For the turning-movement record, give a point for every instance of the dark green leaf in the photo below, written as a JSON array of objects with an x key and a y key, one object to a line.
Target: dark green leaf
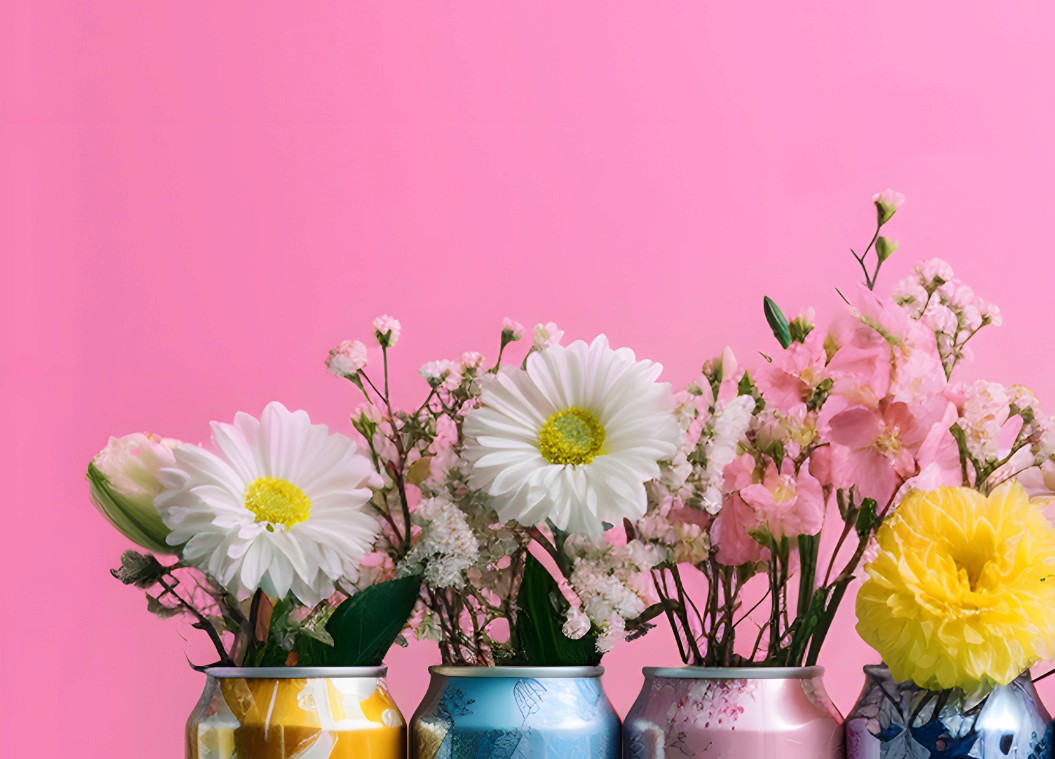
[
  {"x": 539, "y": 623},
  {"x": 867, "y": 518},
  {"x": 364, "y": 626},
  {"x": 777, "y": 322},
  {"x": 160, "y": 610}
]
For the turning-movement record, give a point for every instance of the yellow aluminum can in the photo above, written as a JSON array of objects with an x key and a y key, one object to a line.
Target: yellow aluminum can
[{"x": 296, "y": 713}]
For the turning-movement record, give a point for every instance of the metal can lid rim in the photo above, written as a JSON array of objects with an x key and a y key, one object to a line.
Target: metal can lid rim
[
  {"x": 293, "y": 673},
  {"x": 537, "y": 673},
  {"x": 734, "y": 673}
]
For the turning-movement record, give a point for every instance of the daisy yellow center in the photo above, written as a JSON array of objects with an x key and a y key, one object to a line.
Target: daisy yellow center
[
  {"x": 571, "y": 436},
  {"x": 277, "y": 501}
]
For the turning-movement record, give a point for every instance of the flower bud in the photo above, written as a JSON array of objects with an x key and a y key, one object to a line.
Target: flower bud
[
  {"x": 123, "y": 482},
  {"x": 386, "y": 331},
  {"x": 885, "y": 248},
  {"x": 511, "y": 331},
  {"x": 887, "y": 202}
]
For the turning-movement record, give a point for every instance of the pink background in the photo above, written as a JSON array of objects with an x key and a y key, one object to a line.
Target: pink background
[{"x": 199, "y": 199}]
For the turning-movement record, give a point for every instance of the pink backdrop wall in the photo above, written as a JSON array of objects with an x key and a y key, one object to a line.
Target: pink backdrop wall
[{"x": 199, "y": 199}]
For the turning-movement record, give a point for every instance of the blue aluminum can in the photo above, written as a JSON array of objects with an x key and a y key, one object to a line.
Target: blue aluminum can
[
  {"x": 515, "y": 713},
  {"x": 894, "y": 720}
]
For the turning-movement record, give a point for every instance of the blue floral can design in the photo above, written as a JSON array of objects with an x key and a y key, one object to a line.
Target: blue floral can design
[
  {"x": 893, "y": 720},
  {"x": 515, "y": 713}
]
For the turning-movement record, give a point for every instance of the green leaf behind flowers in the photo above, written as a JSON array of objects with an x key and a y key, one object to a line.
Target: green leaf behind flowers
[
  {"x": 539, "y": 626},
  {"x": 777, "y": 321},
  {"x": 363, "y": 627}
]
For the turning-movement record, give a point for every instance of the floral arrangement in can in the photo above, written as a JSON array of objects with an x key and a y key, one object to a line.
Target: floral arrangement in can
[
  {"x": 539, "y": 510},
  {"x": 832, "y": 431},
  {"x": 264, "y": 540},
  {"x": 510, "y": 477}
]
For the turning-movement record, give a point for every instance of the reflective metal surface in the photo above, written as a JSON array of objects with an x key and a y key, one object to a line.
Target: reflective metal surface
[
  {"x": 296, "y": 714},
  {"x": 892, "y": 720},
  {"x": 515, "y": 713},
  {"x": 733, "y": 714}
]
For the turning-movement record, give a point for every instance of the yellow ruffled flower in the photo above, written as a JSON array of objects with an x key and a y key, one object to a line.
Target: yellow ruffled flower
[{"x": 962, "y": 593}]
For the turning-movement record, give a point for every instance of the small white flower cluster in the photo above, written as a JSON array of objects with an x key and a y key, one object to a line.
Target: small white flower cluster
[
  {"x": 716, "y": 422},
  {"x": 347, "y": 359},
  {"x": 446, "y": 548},
  {"x": 613, "y": 584},
  {"x": 934, "y": 296},
  {"x": 1037, "y": 427},
  {"x": 985, "y": 411},
  {"x": 1005, "y": 430}
]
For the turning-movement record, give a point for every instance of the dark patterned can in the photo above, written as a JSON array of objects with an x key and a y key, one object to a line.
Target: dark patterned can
[
  {"x": 892, "y": 720},
  {"x": 515, "y": 713}
]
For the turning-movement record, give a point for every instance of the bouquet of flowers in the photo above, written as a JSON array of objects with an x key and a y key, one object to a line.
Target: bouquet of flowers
[
  {"x": 857, "y": 415},
  {"x": 500, "y": 485},
  {"x": 267, "y": 541}
]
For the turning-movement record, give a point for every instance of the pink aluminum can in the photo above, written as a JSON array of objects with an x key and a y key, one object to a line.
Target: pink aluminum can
[{"x": 733, "y": 713}]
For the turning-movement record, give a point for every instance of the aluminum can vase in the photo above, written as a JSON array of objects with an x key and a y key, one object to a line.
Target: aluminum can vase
[
  {"x": 892, "y": 720},
  {"x": 296, "y": 713},
  {"x": 733, "y": 713},
  {"x": 515, "y": 713}
]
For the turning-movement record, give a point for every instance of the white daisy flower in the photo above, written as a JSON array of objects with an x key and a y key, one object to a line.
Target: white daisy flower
[
  {"x": 573, "y": 437},
  {"x": 281, "y": 506}
]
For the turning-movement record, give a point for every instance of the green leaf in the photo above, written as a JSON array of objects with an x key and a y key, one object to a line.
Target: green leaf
[
  {"x": 539, "y": 623},
  {"x": 867, "y": 519},
  {"x": 160, "y": 610},
  {"x": 777, "y": 321},
  {"x": 364, "y": 626}
]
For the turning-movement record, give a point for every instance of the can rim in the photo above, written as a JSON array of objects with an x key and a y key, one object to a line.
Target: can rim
[
  {"x": 293, "y": 673},
  {"x": 446, "y": 670},
  {"x": 734, "y": 673}
]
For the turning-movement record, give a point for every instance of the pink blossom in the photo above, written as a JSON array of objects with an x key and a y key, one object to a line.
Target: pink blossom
[
  {"x": 442, "y": 448},
  {"x": 875, "y": 449},
  {"x": 547, "y": 335},
  {"x": 786, "y": 504},
  {"x": 731, "y": 534},
  {"x": 821, "y": 465},
  {"x": 938, "y": 457},
  {"x": 934, "y": 269},
  {"x": 793, "y": 374},
  {"x": 883, "y": 351},
  {"x": 731, "y": 531},
  {"x": 471, "y": 360},
  {"x": 347, "y": 359}
]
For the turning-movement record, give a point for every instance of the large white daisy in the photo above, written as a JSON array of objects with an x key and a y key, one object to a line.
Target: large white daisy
[
  {"x": 573, "y": 437},
  {"x": 280, "y": 506}
]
